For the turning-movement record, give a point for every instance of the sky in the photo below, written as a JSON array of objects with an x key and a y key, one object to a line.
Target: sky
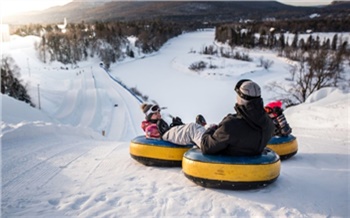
[
  {"x": 56, "y": 163},
  {"x": 11, "y": 7}
]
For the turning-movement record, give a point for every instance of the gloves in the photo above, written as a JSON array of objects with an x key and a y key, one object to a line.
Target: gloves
[
  {"x": 176, "y": 122},
  {"x": 162, "y": 126},
  {"x": 278, "y": 111}
]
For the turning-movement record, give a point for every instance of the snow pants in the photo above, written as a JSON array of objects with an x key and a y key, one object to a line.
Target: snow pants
[{"x": 186, "y": 134}]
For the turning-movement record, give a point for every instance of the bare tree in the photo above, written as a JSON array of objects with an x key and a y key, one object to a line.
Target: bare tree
[
  {"x": 320, "y": 69},
  {"x": 265, "y": 63},
  {"x": 295, "y": 93}
]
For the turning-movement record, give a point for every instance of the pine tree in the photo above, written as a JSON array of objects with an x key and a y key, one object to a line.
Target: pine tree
[
  {"x": 295, "y": 41},
  {"x": 10, "y": 84},
  {"x": 335, "y": 42}
]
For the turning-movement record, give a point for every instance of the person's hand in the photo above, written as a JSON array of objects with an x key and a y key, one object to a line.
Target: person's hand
[
  {"x": 176, "y": 122},
  {"x": 162, "y": 126},
  {"x": 277, "y": 110}
]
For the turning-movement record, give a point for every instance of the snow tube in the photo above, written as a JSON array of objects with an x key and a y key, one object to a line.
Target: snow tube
[
  {"x": 156, "y": 152},
  {"x": 284, "y": 146},
  {"x": 229, "y": 172}
]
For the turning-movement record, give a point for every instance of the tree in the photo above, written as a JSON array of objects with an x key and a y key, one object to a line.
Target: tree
[
  {"x": 322, "y": 68},
  {"x": 281, "y": 44},
  {"x": 335, "y": 42},
  {"x": 42, "y": 49},
  {"x": 295, "y": 41},
  {"x": 10, "y": 84}
]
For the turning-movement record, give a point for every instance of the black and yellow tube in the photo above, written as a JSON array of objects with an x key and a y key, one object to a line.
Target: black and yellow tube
[
  {"x": 156, "y": 152},
  {"x": 285, "y": 146},
  {"x": 227, "y": 172}
]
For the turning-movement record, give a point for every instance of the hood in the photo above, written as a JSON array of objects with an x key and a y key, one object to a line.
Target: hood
[{"x": 253, "y": 112}]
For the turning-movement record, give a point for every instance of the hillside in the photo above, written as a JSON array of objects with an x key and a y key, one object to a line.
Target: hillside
[
  {"x": 56, "y": 163},
  {"x": 185, "y": 11}
]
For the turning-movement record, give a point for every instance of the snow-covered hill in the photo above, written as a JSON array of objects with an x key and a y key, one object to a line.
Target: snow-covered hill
[{"x": 56, "y": 161}]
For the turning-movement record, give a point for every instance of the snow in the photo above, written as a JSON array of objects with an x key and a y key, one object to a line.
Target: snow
[
  {"x": 314, "y": 16},
  {"x": 56, "y": 161}
]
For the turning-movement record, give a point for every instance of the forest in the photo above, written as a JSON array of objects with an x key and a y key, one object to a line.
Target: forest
[{"x": 321, "y": 61}]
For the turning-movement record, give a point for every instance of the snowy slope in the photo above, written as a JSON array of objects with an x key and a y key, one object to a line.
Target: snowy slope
[{"x": 55, "y": 161}]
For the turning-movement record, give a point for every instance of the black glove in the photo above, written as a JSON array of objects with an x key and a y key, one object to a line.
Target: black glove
[
  {"x": 162, "y": 126},
  {"x": 176, "y": 122},
  {"x": 278, "y": 111}
]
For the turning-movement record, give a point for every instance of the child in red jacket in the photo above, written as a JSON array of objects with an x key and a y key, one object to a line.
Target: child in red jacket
[
  {"x": 275, "y": 111},
  {"x": 149, "y": 125},
  {"x": 179, "y": 133}
]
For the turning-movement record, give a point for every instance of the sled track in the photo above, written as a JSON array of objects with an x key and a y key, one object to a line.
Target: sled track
[
  {"x": 91, "y": 172},
  {"x": 121, "y": 90},
  {"x": 43, "y": 172},
  {"x": 20, "y": 166}
]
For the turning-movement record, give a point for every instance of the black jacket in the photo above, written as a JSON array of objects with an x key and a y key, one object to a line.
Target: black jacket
[{"x": 244, "y": 133}]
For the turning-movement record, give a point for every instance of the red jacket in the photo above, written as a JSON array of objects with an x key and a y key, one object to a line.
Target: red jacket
[{"x": 150, "y": 129}]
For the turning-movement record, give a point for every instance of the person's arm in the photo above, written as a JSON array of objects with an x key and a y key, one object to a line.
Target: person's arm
[
  {"x": 151, "y": 131},
  {"x": 176, "y": 122},
  {"x": 162, "y": 126},
  {"x": 284, "y": 129},
  {"x": 215, "y": 139}
]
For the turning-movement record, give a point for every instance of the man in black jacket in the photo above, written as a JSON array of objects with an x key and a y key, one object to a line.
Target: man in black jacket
[{"x": 245, "y": 133}]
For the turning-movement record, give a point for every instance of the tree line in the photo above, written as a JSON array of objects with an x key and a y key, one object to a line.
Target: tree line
[
  {"x": 107, "y": 41},
  {"x": 76, "y": 42},
  {"x": 321, "y": 62}
]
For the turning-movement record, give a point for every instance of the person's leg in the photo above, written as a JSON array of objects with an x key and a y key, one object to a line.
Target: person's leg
[
  {"x": 177, "y": 135},
  {"x": 186, "y": 134},
  {"x": 196, "y": 132}
]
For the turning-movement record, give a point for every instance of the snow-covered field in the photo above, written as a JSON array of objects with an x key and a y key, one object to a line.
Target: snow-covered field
[{"x": 56, "y": 161}]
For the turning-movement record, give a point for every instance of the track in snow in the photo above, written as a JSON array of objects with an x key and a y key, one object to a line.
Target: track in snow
[{"x": 95, "y": 101}]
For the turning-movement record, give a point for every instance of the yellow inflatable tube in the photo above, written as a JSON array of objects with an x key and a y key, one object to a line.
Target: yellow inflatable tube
[
  {"x": 227, "y": 172},
  {"x": 285, "y": 147},
  {"x": 156, "y": 152}
]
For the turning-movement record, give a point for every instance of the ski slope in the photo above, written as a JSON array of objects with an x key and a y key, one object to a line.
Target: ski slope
[
  {"x": 95, "y": 101},
  {"x": 57, "y": 163}
]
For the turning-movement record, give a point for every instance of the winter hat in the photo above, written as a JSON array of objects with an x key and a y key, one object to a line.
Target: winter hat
[
  {"x": 149, "y": 110},
  {"x": 247, "y": 90},
  {"x": 274, "y": 108}
]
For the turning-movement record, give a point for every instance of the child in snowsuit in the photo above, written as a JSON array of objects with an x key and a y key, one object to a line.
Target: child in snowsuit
[
  {"x": 275, "y": 112},
  {"x": 178, "y": 132},
  {"x": 149, "y": 126}
]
